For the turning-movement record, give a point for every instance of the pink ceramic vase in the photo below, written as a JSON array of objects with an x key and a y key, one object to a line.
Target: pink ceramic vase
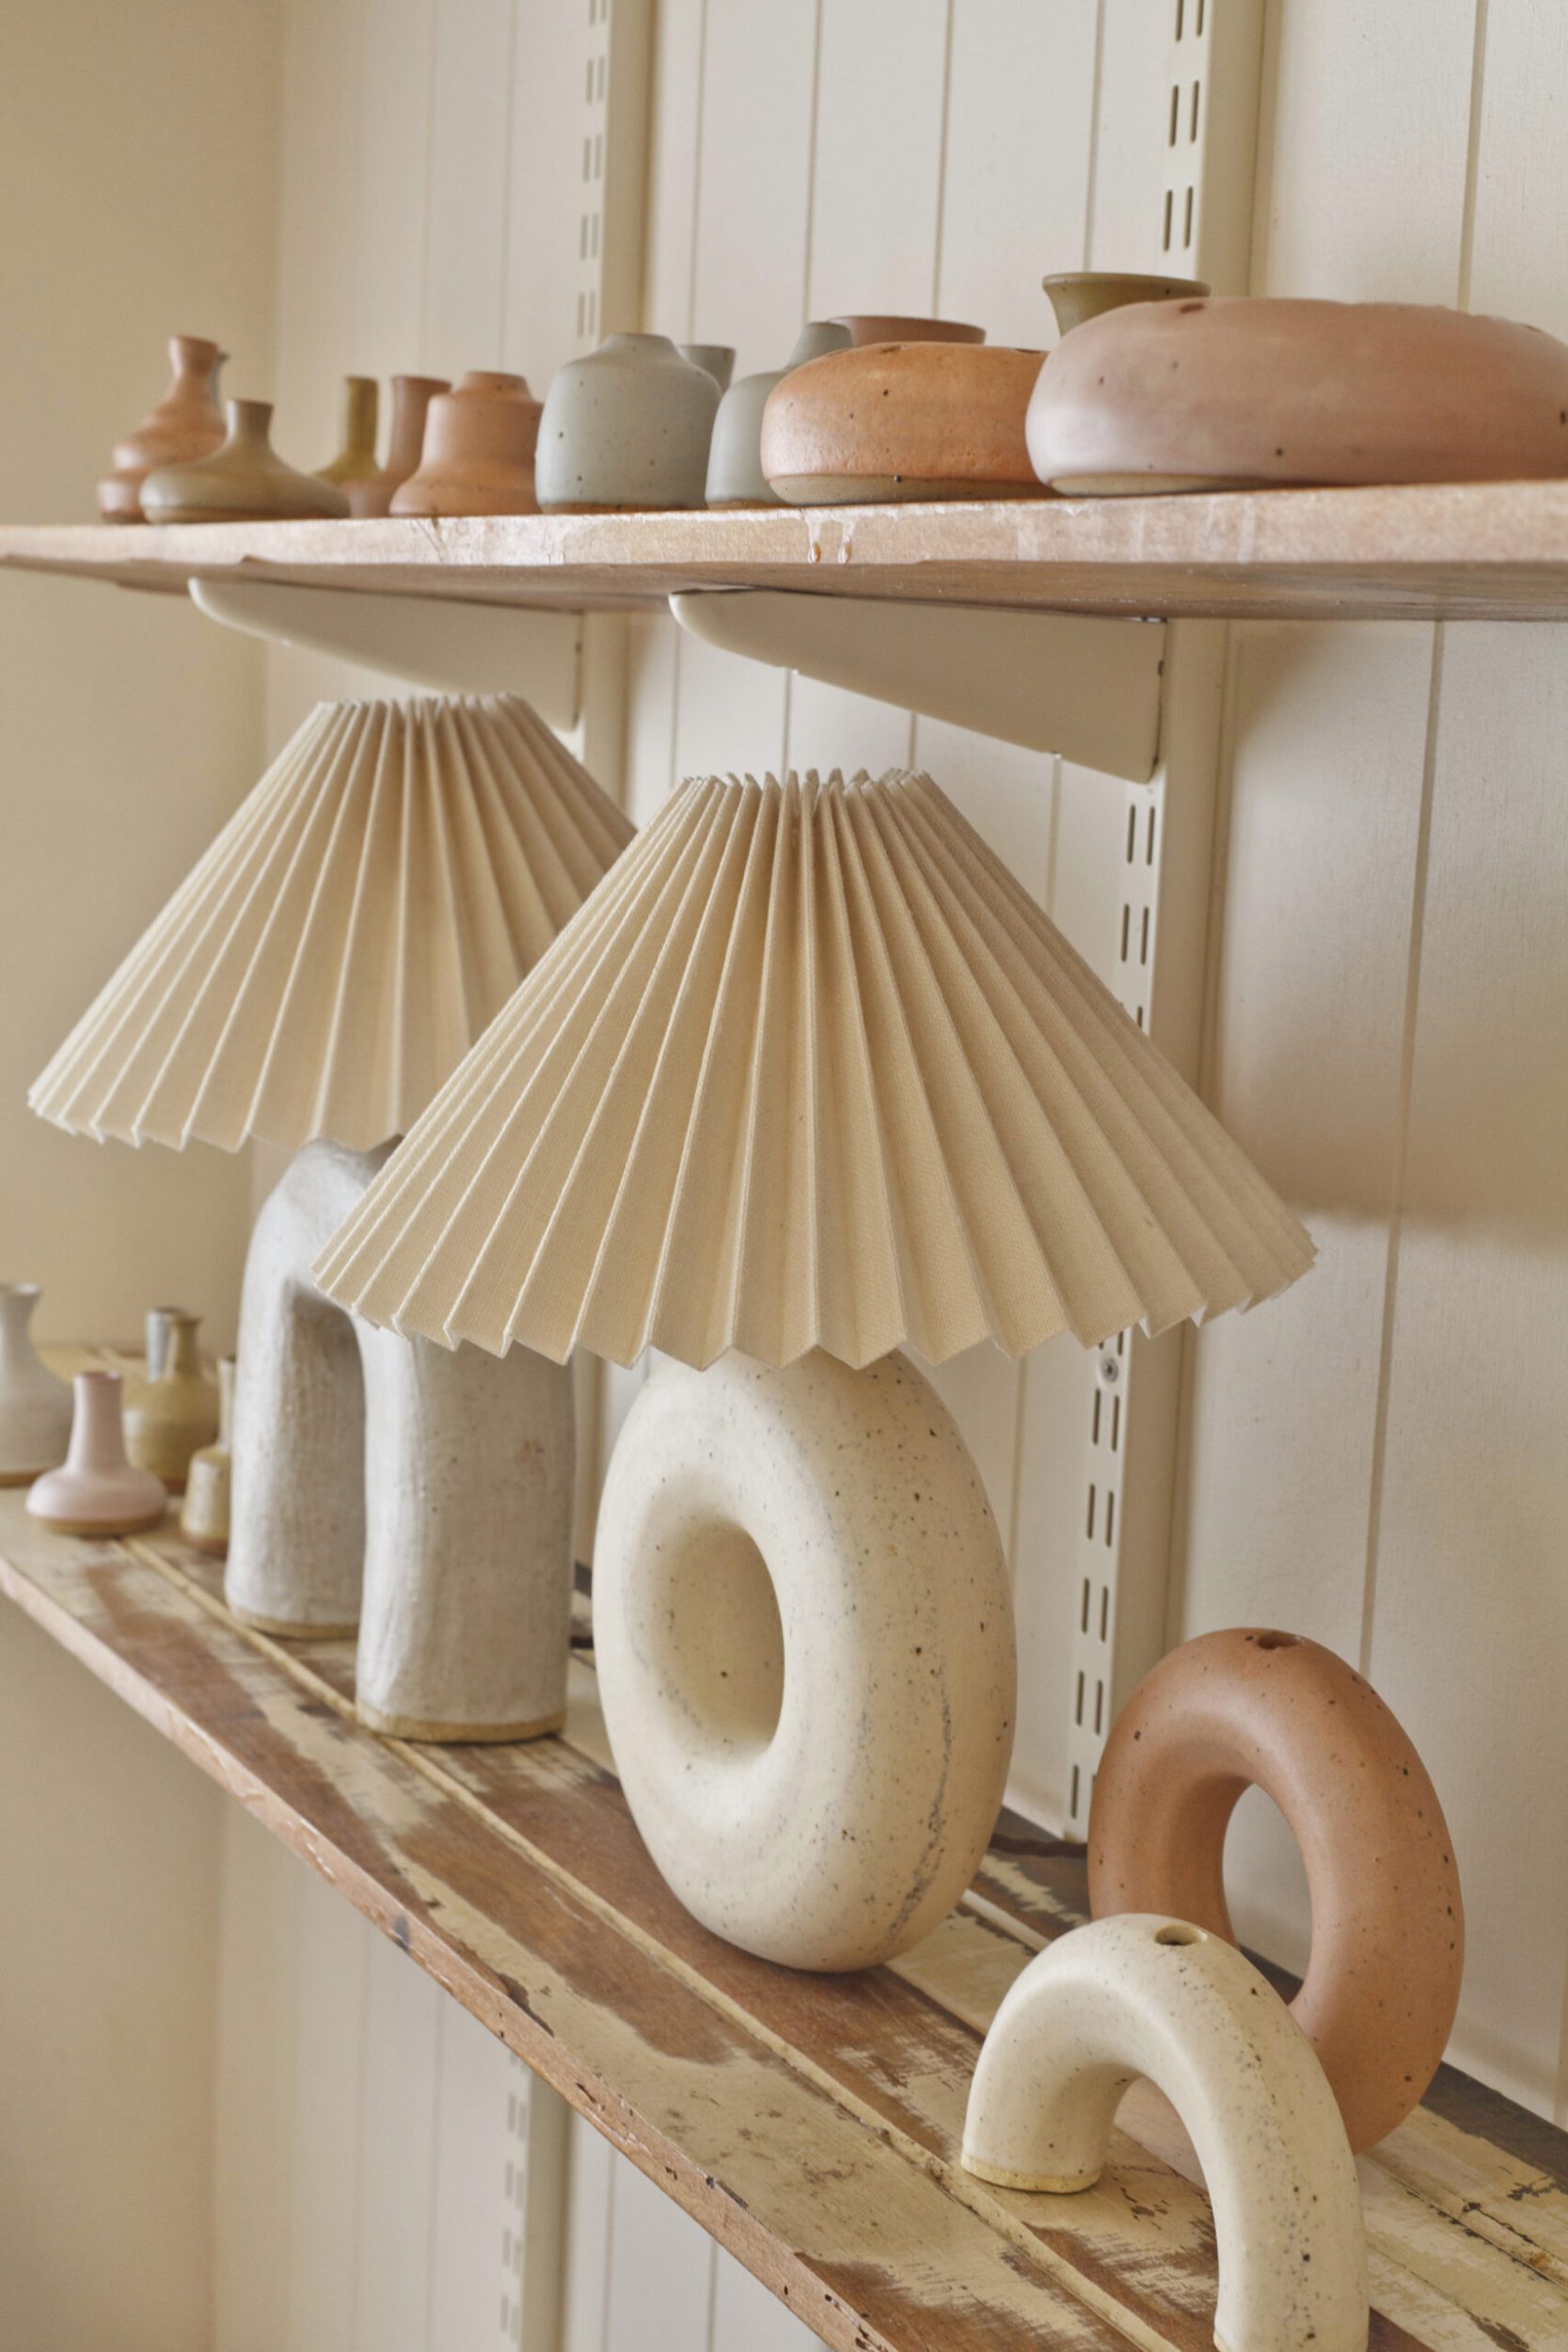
[
  {"x": 478, "y": 454},
  {"x": 411, "y": 399},
  {"x": 187, "y": 423},
  {"x": 96, "y": 1492}
]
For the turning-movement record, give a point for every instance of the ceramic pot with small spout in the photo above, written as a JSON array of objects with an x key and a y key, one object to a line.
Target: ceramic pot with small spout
[
  {"x": 187, "y": 423},
  {"x": 243, "y": 481},
  {"x": 204, "y": 1514},
  {"x": 356, "y": 461},
  {"x": 627, "y": 426},
  {"x": 478, "y": 453},
  {"x": 735, "y": 475},
  {"x": 35, "y": 1405},
  {"x": 411, "y": 399},
  {"x": 173, "y": 1410},
  {"x": 96, "y": 1491}
]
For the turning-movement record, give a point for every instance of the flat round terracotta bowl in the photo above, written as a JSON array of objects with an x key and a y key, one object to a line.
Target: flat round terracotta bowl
[
  {"x": 1239, "y": 393},
  {"x": 866, "y": 326},
  {"x": 902, "y": 421}
]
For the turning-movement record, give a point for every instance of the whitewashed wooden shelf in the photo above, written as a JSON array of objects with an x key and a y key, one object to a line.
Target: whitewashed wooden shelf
[
  {"x": 1468, "y": 550},
  {"x": 810, "y": 2123}
]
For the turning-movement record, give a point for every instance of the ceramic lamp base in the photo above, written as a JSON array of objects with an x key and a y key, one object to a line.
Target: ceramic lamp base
[
  {"x": 471, "y": 1734},
  {"x": 291, "y": 1630},
  {"x": 70, "y": 1526}
]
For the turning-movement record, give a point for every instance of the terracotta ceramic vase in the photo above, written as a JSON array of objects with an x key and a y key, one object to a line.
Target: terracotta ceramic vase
[
  {"x": 1238, "y": 393},
  {"x": 478, "y": 450},
  {"x": 187, "y": 423},
  {"x": 1152, "y": 1997},
  {"x": 715, "y": 359},
  {"x": 411, "y": 399},
  {"x": 1077, "y": 294},
  {"x": 735, "y": 475},
  {"x": 97, "y": 1491},
  {"x": 35, "y": 1405},
  {"x": 902, "y": 421},
  {"x": 204, "y": 1514},
  {"x": 627, "y": 428},
  {"x": 356, "y": 461},
  {"x": 243, "y": 481},
  {"x": 872, "y": 327},
  {"x": 173, "y": 1410},
  {"x": 1255, "y": 1707}
]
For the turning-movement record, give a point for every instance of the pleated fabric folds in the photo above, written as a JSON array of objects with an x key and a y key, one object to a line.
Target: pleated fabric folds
[
  {"x": 810, "y": 1070},
  {"x": 353, "y": 929}
]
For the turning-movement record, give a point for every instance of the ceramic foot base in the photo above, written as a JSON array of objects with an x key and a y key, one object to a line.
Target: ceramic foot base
[
  {"x": 288, "y": 1632},
  {"x": 107, "y": 1530},
  {"x": 455, "y": 1735},
  {"x": 876, "y": 489}
]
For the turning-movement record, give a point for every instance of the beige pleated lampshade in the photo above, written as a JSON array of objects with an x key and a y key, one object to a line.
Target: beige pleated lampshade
[
  {"x": 352, "y": 931},
  {"x": 810, "y": 1070}
]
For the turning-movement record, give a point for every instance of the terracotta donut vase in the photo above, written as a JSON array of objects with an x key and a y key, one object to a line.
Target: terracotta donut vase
[
  {"x": 902, "y": 421},
  {"x": 1251, "y": 1708},
  {"x": 1239, "y": 393}
]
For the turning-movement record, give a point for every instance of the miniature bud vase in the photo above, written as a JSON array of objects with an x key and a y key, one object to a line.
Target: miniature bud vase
[
  {"x": 478, "y": 452},
  {"x": 411, "y": 399},
  {"x": 204, "y": 1514},
  {"x": 187, "y": 423},
  {"x": 243, "y": 481},
  {"x": 627, "y": 426},
  {"x": 356, "y": 461},
  {"x": 35, "y": 1406},
  {"x": 735, "y": 475},
  {"x": 1077, "y": 294},
  {"x": 97, "y": 1491},
  {"x": 173, "y": 1410}
]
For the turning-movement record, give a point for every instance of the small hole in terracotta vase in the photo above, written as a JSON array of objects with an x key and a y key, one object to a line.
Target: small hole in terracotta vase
[
  {"x": 1276, "y": 1641},
  {"x": 1178, "y": 1935}
]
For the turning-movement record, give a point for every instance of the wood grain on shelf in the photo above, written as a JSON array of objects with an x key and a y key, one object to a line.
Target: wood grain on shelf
[
  {"x": 1459, "y": 550},
  {"x": 810, "y": 2123}
]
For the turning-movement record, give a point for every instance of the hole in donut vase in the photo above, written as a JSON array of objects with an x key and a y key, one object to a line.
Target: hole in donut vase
[{"x": 804, "y": 1641}]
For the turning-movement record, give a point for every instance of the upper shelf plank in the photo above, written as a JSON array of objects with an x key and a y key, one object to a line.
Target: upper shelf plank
[{"x": 1459, "y": 551}]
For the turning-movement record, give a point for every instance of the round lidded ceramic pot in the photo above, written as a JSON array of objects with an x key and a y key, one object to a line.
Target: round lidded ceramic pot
[
  {"x": 478, "y": 452},
  {"x": 243, "y": 481},
  {"x": 96, "y": 1491},
  {"x": 627, "y": 426},
  {"x": 867, "y": 326},
  {"x": 1244, "y": 392},
  {"x": 1077, "y": 294},
  {"x": 735, "y": 475},
  {"x": 187, "y": 423},
  {"x": 35, "y": 1405},
  {"x": 902, "y": 421}
]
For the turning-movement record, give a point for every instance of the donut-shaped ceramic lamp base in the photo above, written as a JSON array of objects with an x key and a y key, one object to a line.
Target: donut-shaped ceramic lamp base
[
  {"x": 804, "y": 1640},
  {"x": 1251, "y": 1708},
  {"x": 1145, "y": 1995}
]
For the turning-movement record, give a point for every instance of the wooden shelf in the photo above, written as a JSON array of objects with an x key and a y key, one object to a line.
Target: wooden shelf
[
  {"x": 1468, "y": 550},
  {"x": 811, "y": 2124}
]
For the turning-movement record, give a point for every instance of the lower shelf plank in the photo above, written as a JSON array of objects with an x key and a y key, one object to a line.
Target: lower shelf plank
[{"x": 810, "y": 2123}]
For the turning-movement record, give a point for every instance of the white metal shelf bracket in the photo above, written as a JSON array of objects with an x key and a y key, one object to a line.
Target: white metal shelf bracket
[{"x": 1086, "y": 687}]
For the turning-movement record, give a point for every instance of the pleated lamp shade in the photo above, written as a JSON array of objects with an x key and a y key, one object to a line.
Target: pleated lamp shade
[
  {"x": 353, "y": 929},
  {"x": 810, "y": 1070}
]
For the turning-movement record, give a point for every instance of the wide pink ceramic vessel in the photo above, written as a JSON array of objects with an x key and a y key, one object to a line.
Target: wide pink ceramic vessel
[{"x": 96, "y": 1491}]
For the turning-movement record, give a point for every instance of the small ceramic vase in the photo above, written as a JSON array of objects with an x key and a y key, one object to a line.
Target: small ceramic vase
[
  {"x": 478, "y": 453},
  {"x": 243, "y": 481},
  {"x": 204, "y": 1514},
  {"x": 411, "y": 399},
  {"x": 35, "y": 1405},
  {"x": 715, "y": 359},
  {"x": 187, "y": 423},
  {"x": 627, "y": 428},
  {"x": 1077, "y": 294},
  {"x": 173, "y": 1410},
  {"x": 96, "y": 1491},
  {"x": 872, "y": 327},
  {"x": 902, "y": 421},
  {"x": 356, "y": 461},
  {"x": 1241, "y": 393},
  {"x": 735, "y": 475}
]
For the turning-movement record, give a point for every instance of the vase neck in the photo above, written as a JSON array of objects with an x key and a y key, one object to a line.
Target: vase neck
[
  {"x": 249, "y": 424},
  {"x": 97, "y": 1431},
  {"x": 17, "y": 1301}
]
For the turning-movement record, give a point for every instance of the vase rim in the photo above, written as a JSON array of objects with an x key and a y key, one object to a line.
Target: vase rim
[{"x": 21, "y": 1290}]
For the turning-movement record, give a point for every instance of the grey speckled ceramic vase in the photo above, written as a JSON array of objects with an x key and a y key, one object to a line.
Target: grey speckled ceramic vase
[
  {"x": 627, "y": 426},
  {"x": 735, "y": 475}
]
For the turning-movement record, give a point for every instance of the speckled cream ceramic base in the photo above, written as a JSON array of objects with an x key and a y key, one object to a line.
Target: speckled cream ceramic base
[
  {"x": 1145, "y": 1995},
  {"x": 471, "y": 1734},
  {"x": 804, "y": 1641},
  {"x": 291, "y": 1629}
]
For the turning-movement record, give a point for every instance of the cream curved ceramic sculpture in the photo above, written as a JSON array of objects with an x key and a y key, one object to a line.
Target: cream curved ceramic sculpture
[
  {"x": 35, "y": 1404},
  {"x": 810, "y": 1070},
  {"x": 902, "y": 421},
  {"x": 1150, "y": 1996},
  {"x": 1240, "y": 391},
  {"x": 347, "y": 936},
  {"x": 1254, "y": 1708},
  {"x": 804, "y": 1642}
]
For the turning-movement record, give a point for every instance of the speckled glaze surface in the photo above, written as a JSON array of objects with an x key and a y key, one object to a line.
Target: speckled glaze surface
[
  {"x": 411, "y": 399},
  {"x": 187, "y": 423},
  {"x": 204, "y": 1512},
  {"x": 96, "y": 1491},
  {"x": 735, "y": 475},
  {"x": 1239, "y": 391},
  {"x": 35, "y": 1404},
  {"x": 243, "y": 481},
  {"x": 173, "y": 1410},
  {"x": 902, "y": 421},
  {"x": 1149, "y": 1996},
  {"x": 804, "y": 1641},
  {"x": 627, "y": 426},
  {"x": 1078, "y": 295},
  {"x": 478, "y": 455},
  {"x": 877, "y": 326},
  {"x": 1255, "y": 1707}
]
